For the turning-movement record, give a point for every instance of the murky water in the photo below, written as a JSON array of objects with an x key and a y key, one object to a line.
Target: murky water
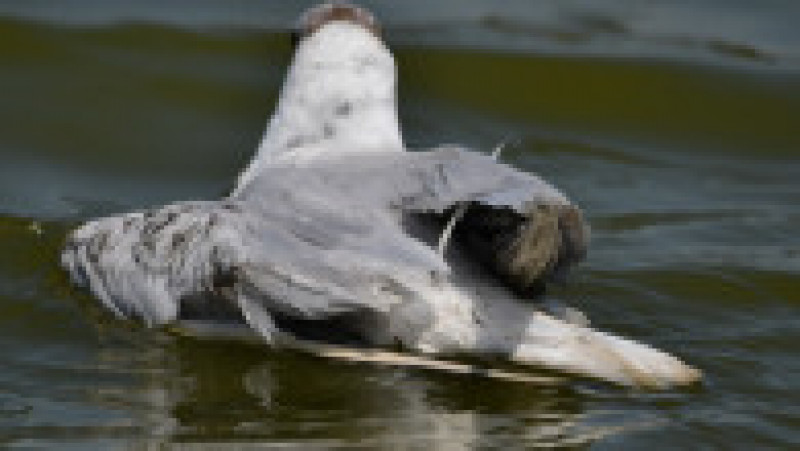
[{"x": 674, "y": 124}]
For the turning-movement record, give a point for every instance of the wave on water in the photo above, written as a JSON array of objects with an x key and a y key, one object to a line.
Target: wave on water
[
  {"x": 688, "y": 174},
  {"x": 742, "y": 34}
]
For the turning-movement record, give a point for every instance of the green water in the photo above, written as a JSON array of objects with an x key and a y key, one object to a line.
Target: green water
[{"x": 680, "y": 143}]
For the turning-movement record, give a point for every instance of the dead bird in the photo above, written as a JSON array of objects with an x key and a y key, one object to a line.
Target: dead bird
[{"x": 336, "y": 237}]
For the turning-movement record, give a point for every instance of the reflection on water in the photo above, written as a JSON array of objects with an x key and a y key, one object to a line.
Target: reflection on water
[
  {"x": 142, "y": 387},
  {"x": 191, "y": 391},
  {"x": 673, "y": 123}
]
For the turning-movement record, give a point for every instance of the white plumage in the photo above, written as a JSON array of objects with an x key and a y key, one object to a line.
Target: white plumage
[
  {"x": 339, "y": 96},
  {"x": 330, "y": 237}
]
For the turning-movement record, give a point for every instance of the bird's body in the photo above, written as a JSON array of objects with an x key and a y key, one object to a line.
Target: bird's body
[{"x": 330, "y": 236}]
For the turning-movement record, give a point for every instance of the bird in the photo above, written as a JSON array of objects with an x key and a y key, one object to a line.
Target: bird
[{"x": 339, "y": 238}]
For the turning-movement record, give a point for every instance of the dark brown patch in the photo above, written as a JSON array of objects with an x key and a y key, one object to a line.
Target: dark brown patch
[
  {"x": 528, "y": 251},
  {"x": 315, "y": 18}
]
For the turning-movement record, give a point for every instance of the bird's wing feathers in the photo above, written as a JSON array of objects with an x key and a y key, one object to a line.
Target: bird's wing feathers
[
  {"x": 306, "y": 242},
  {"x": 298, "y": 258},
  {"x": 516, "y": 222},
  {"x": 141, "y": 264},
  {"x": 415, "y": 181}
]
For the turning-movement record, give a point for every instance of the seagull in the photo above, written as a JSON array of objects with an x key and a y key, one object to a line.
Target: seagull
[{"x": 337, "y": 238}]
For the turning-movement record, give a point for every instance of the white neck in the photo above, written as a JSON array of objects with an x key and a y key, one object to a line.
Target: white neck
[{"x": 339, "y": 96}]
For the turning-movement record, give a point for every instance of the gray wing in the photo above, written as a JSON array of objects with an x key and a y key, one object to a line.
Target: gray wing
[
  {"x": 515, "y": 222},
  {"x": 322, "y": 239},
  {"x": 299, "y": 258}
]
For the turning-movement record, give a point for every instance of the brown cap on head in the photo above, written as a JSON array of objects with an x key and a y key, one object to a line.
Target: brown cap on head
[{"x": 314, "y": 18}]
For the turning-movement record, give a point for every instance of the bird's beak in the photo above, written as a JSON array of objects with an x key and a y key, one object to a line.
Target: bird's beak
[{"x": 316, "y": 17}]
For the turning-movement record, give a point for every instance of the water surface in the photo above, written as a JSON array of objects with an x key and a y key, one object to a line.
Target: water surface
[{"x": 674, "y": 124}]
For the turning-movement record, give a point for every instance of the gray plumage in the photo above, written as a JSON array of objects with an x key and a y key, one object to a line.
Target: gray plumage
[{"x": 319, "y": 240}]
